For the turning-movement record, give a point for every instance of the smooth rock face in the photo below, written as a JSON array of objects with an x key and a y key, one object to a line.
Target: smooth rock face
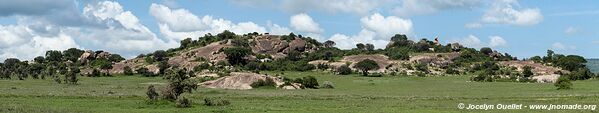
[
  {"x": 546, "y": 78},
  {"x": 238, "y": 80}
]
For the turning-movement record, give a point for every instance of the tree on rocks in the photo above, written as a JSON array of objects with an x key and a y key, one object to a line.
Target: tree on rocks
[{"x": 366, "y": 65}]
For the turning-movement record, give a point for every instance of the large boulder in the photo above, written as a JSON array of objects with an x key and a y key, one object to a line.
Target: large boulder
[{"x": 238, "y": 80}]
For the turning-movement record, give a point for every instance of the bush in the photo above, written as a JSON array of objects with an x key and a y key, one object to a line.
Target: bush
[
  {"x": 563, "y": 82},
  {"x": 151, "y": 93},
  {"x": 268, "y": 82},
  {"x": 527, "y": 71},
  {"x": 322, "y": 66},
  {"x": 216, "y": 102},
  {"x": 127, "y": 70},
  {"x": 327, "y": 85},
  {"x": 344, "y": 70},
  {"x": 307, "y": 82},
  {"x": 183, "y": 102},
  {"x": 366, "y": 65}
]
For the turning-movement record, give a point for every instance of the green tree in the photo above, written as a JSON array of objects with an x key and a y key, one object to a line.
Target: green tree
[
  {"x": 369, "y": 47},
  {"x": 235, "y": 55},
  {"x": 186, "y": 43},
  {"x": 72, "y": 54},
  {"x": 329, "y": 44},
  {"x": 54, "y": 55},
  {"x": 571, "y": 62},
  {"x": 527, "y": 71},
  {"x": 116, "y": 58},
  {"x": 127, "y": 70},
  {"x": 563, "y": 82},
  {"x": 39, "y": 59},
  {"x": 344, "y": 70},
  {"x": 486, "y": 50},
  {"x": 160, "y": 55},
  {"x": 361, "y": 46},
  {"x": 366, "y": 65},
  {"x": 178, "y": 82}
]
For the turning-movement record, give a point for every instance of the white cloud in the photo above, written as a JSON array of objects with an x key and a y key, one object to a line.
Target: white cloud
[
  {"x": 179, "y": 24},
  {"x": 503, "y": 12},
  {"x": 561, "y": 46},
  {"x": 571, "y": 30},
  {"x": 385, "y": 27},
  {"x": 304, "y": 23},
  {"x": 116, "y": 30},
  {"x": 473, "y": 25},
  {"x": 277, "y": 30},
  {"x": 360, "y": 7},
  {"x": 497, "y": 41},
  {"x": 475, "y": 42},
  {"x": 377, "y": 30},
  {"x": 420, "y": 7}
]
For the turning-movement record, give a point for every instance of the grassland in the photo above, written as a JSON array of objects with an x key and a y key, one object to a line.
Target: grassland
[{"x": 351, "y": 94}]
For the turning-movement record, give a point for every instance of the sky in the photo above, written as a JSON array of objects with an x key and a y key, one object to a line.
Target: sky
[{"x": 524, "y": 28}]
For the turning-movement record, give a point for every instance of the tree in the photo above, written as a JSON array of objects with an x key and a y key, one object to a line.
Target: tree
[
  {"x": 151, "y": 93},
  {"x": 329, "y": 44},
  {"x": 226, "y": 35},
  {"x": 235, "y": 55},
  {"x": 344, "y": 70},
  {"x": 399, "y": 38},
  {"x": 186, "y": 43},
  {"x": 571, "y": 62},
  {"x": 178, "y": 83},
  {"x": 527, "y": 71},
  {"x": 486, "y": 50},
  {"x": 160, "y": 55},
  {"x": 366, "y": 65},
  {"x": 360, "y": 46},
  {"x": 72, "y": 54},
  {"x": 563, "y": 82},
  {"x": 294, "y": 55},
  {"x": 127, "y": 70},
  {"x": 53, "y": 55},
  {"x": 115, "y": 58},
  {"x": 39, "y": 59},
  {"x": 369, "y": 47}
]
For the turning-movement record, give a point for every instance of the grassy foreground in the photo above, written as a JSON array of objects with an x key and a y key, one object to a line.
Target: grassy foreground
[{"x": 351, "y": 94}]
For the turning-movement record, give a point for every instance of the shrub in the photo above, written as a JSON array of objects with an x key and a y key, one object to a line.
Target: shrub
[
  {"x": 322, "y": 66},
  {"x": 268, "y": 82},
  {"x": 563, "y": 82},
  {"x": 151, "y": 93},
  {"x": 183, "y": 102},
  {"x": 344, "y": 70},
  {"x": 216, "y": 102},
  {"x": 127, "y": 70},
  {"x": 527, "y": 71},
  {"x": 327, "y": 85},
  {"x": 307, "y": 82},
  {"x": 366, "y": 65}
]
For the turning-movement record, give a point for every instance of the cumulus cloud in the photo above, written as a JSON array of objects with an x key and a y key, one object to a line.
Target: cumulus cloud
[
  {"x": 304, "y": 23},
  {"x": 419, "y": 7},
  {"x": 178, "y": 24},
  {"x": 473, "y": 25},
  {"x": 360, "y": 7},
  {"x": 377, "y": 30},
  {"x": 385, "y": 27},
  {"x": 506, "y": 12},
  {"x": 114, "y": 30},
  {"x": 561, "y": 46},
  {"x": 475, "y": 42},
  {"x": 571, "y": 30},
  {"x": 497, "y": 41}
]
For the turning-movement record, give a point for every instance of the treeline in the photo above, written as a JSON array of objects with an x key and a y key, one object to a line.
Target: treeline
[{"x": 56, "y": 65}]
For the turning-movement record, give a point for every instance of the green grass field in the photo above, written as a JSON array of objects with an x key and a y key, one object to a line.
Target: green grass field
[{"x": 351, "y": 94}]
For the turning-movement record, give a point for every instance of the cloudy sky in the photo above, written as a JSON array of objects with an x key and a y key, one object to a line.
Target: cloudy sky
[{"x": 28, "y": 28}]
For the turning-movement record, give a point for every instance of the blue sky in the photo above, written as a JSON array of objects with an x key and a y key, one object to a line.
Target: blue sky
[{"x": 524, "y": 28}]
